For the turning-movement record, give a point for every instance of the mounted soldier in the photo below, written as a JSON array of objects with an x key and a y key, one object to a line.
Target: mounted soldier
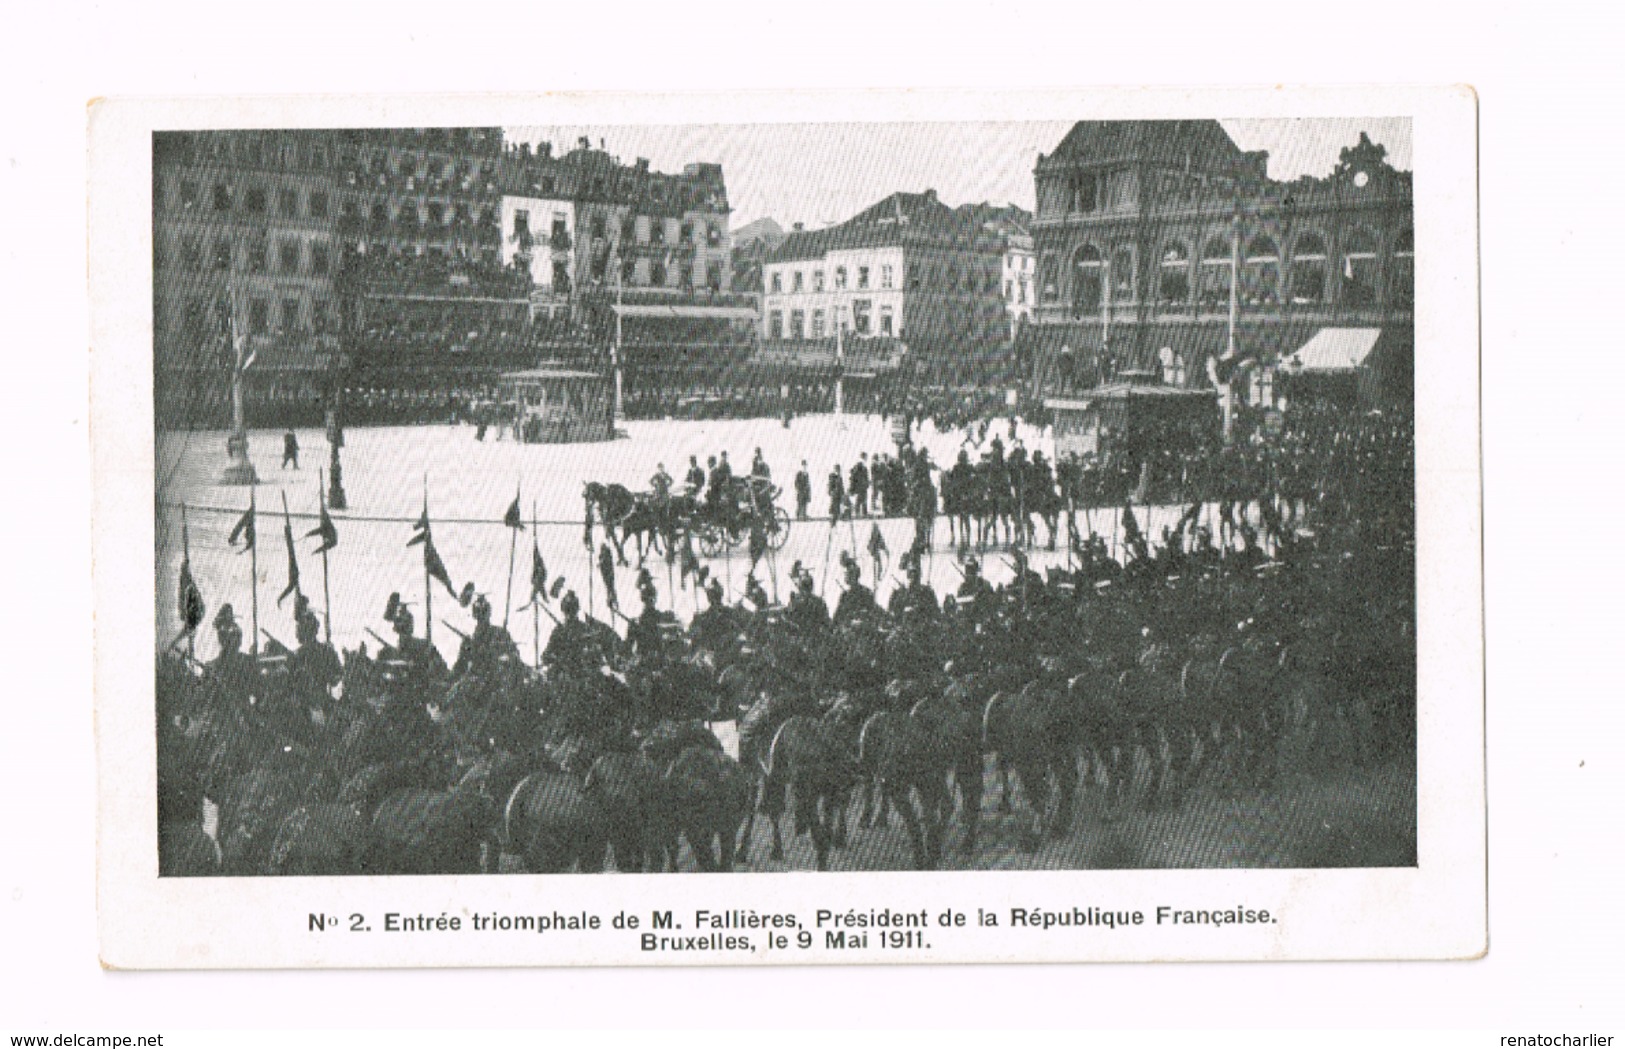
[
  {"x": 422, "y": 668},
  {"x": 313, "y": 668},
  {"x": 716, "y": 628},
  {"x": 858, "y": 601},
  {"x": 483, "y": 651},
  {"x": 232, "y": 673},
  {"x": 573, "y": 647},
  {"x": 916, "y": 601},
  {"x": 807, "y": 610}
]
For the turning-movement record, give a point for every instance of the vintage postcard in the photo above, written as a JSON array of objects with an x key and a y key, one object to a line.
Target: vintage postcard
[{"x": 787, "y": 529}]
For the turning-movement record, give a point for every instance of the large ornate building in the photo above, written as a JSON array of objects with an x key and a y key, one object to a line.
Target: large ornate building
[{"x": 1144, "y": 229}]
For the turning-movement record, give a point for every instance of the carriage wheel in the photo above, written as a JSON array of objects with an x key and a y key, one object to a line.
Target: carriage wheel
[
  {"x": 713, "y": 543},
  {"x": 779, "y": 533}
]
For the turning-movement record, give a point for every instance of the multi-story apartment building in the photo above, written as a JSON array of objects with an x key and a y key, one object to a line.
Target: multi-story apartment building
[
  {"x": 621, "y": 254},
  {"x": 1144, "y": 228},
  {"x": 909, "y": 267},
  {"x": 245, "y": 240}
]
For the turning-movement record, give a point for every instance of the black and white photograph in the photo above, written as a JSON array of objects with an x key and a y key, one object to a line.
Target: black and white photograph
[{"x": 851, "y": 496}]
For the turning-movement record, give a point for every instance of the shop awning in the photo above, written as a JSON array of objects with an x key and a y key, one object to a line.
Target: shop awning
[{"x": 1334, "y": 350}]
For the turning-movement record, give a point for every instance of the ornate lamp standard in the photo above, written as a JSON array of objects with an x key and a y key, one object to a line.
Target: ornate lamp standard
[{"x": 239, "y": 467}]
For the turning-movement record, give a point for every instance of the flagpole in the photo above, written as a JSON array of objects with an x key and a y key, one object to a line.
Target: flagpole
[
  {"x": 186, "y": 560},
  {"x": 513, "y": 538},
  {"x": 327, "y": 598},
  {"x": 254, "y": 572},
  {"x": 535, "y": 599},
  {"x": 428, "y": 592}
]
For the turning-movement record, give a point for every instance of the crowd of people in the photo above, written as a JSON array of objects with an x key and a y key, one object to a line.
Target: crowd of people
[{"x": 1198, "y": 660}]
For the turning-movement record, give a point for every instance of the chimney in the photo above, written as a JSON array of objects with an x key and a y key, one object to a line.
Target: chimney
[
  {"x": 643, "y": 164},
  {"x": 544, "y": 149},
  {"x": 797, "y": 228},
  {"x": 584, "y": 142},
  {"x": 931, "y": 195}
]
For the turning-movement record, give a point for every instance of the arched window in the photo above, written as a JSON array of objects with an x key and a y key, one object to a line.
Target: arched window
[
  {"x": 1088, "y": 276},
  {"x": 1309, "y": 269},
  {"x": 1402, "y": 281},
  {"x": 1174, "y": 278},
  {"x": 1261, "y": 272},
  {"x": 1049, "y": 276},
  {"x": 1123, "y": 274},
  {"x": 1359, "y": 276},
  {"x": 1214, "y": 287}
]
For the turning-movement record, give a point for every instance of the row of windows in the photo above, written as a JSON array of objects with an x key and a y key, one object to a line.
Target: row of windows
[
  {"x": 257, "y": 254},
  {"x": 1262, "y": 280},
  {"x": 811, "y": 326},
  {"x": 919, "y": 277},
  {"x": 655, "y": 273},
  {"x": 289, "y": 315},
  {"x": 290, "y": 202},
  {"x": 655, "y": 231},
  {"x": 287, "y": 201}
]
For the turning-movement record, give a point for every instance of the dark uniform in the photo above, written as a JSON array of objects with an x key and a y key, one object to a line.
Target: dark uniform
[
  {"x": 290, "y": 450},
  {"x": 232, "y": 673},
  {"x": 803, "y": 492},
  {"x": 807, "y": 610},
  {"x": 484, "y": 649},
  {"x": 716, "y": 629},
  {"x": 857, "y": 602},
  {"x": 860, "y": 488},
  {"x": 314, "y": 668},
  {"x": 837, "y": 494}
]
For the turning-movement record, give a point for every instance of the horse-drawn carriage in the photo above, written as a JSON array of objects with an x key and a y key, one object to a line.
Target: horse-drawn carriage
[
  {"x": 746, "y": 503},
  {"x": 668, "y": 520}
]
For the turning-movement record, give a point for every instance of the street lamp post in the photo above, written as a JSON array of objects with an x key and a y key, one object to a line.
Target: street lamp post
[
  {"x": 239, "y": 467},
  {"x": 840, "y": 366},
  {"x": 335, "y": 440}
]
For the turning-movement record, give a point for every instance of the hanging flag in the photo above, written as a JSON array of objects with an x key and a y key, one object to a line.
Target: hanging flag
[
  {"x": 512, "y": 518},
  {"x": 435, "y": 567},
  {"x": 538, "y": 573},
  {"x": 325, "y": 529},
  {"x": 420, "y": 527},
  {"x": 606, "y": 571},
  {"x": 293, "y": 560},
  {"x": 243, "y": 530},
  {"x": 190, "y": 600},
  {"x": 877, "y": 542},
  {"x": 1131, "y": 525}
]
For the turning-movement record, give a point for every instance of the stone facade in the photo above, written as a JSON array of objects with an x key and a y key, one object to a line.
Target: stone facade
[{"x": 1143, "y": 225}]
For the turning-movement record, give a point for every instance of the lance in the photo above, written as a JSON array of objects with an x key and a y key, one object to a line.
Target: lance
[
  {"x": 376, "y": 638},
  {"x": 513, "y": 539},
  {"x": 254, "y": 572},
  {"x": 828, "y": 542},
  {"x": 1116, "y": 517},
  {"x": 535, "y": 600},
  {"x": 428, "y": 592},
  {"x": 276, "y": 644},
  {"x": 327, "y": 598},
  {"x": 186, "y": 560},
  {"x": 1071, "y": 528},
  {"x": 448, "y": 625}
]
